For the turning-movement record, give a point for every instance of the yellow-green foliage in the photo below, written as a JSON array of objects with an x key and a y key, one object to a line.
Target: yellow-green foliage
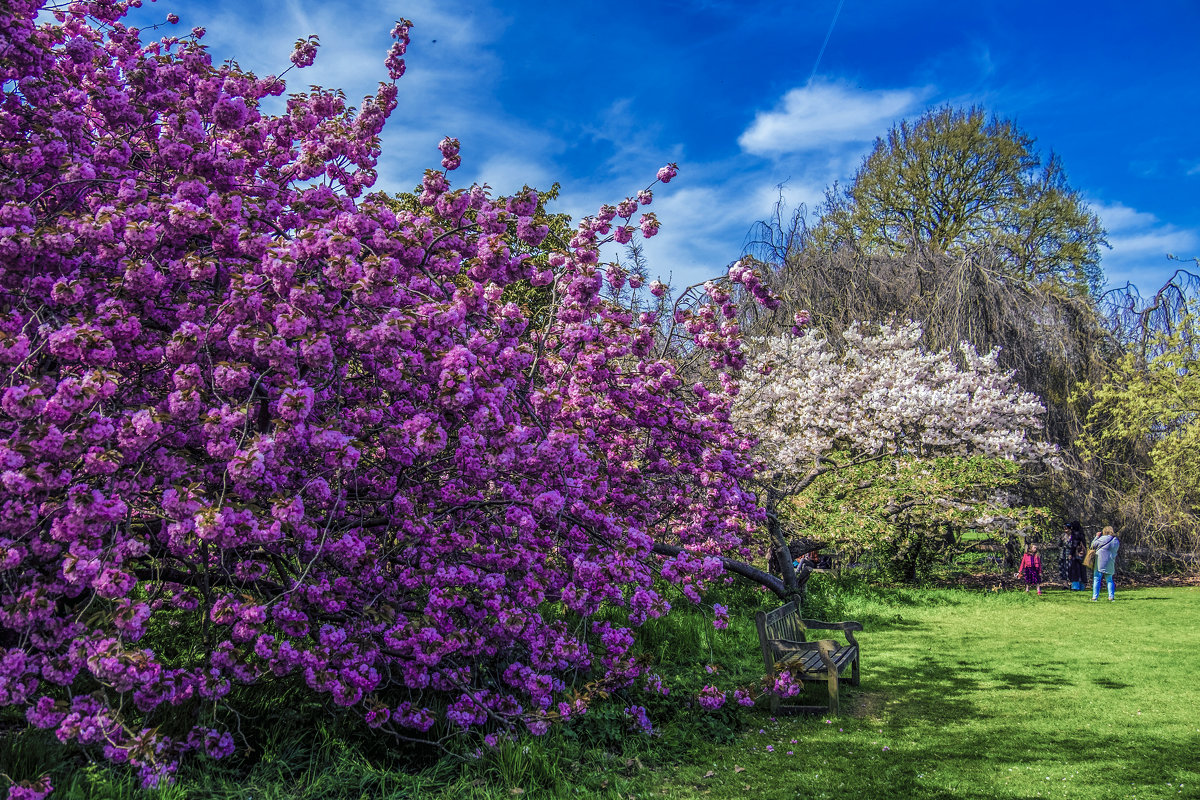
[{"x": 1147, "y": 410}]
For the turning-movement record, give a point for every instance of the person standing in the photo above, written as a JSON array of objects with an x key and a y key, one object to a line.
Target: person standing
[
  {"x": 1106, "y": 544},
  {"x": 1031, "y": 568},
  {"x": 1070, "y": 558}
]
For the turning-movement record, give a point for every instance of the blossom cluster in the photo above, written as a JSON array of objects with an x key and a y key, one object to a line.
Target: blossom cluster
[
  {"x": 711, "y": 698},
  {"x": 240, "y": 389},
  {"x": 882, "y": 393}
]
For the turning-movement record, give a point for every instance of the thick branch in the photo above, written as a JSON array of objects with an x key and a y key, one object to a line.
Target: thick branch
[
  {"x": 172, "y": 575},
  {"x": 736, "y": 567},
  {"x": 833, "y": 466}
]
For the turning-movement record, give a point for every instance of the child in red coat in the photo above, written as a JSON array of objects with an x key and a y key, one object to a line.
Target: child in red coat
[{"x": 1031, "y": 569}]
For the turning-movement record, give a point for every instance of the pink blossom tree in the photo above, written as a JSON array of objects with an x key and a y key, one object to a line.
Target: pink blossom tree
[{"x": 243, "y": 395}]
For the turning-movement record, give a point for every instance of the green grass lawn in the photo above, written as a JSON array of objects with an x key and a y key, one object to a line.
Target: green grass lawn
[
  {"x": 964, "y": 694},
  {"x": 987, "y": 696}
]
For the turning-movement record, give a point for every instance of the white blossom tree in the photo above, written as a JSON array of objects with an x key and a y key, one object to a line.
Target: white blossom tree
[{"x": 865, "y": 440}]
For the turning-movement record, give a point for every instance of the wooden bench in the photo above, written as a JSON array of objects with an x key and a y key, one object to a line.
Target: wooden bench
[{"x": 784, "y": 647}]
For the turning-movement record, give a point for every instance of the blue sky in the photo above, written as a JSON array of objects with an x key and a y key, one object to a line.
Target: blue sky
[{"x": 598, "y": 96}]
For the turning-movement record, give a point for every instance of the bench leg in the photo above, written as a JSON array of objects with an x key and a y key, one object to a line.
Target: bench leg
[
  {"x": 833, "y": 692},
  {"x": 854, "y": 671}
]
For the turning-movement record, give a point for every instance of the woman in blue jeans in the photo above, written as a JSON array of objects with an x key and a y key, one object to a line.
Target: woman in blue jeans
[{"x": 1106, "y": 544}]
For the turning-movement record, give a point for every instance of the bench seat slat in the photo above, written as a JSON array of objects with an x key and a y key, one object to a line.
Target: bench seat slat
[{"x": 810, "y": 660}]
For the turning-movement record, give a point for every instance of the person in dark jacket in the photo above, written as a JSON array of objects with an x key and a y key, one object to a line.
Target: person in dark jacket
[{"x": 1070, "y": 557}]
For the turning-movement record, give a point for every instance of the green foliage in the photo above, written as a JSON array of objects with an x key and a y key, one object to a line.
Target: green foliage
[
  {"x": 910, "y": 514},
  {"x": 528, "y": 763},
  {"x": 1146, "y": 414},
  {"x": 957, "y": 181}
]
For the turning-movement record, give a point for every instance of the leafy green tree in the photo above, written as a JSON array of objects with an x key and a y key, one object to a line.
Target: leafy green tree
[
  {"x": 958, "y": 181},
  {"x": 1146, "y": 413},
  {"x": 1139, "y": 436}
]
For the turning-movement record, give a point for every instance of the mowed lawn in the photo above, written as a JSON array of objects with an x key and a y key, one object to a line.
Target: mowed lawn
[{"x": 987, "y": 695}]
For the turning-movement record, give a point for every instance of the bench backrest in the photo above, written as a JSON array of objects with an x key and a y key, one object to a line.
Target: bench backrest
[{"x": 781, "y": 623}]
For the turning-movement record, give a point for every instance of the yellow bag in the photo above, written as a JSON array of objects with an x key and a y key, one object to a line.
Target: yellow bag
[{"x": 1089, "y": 560}]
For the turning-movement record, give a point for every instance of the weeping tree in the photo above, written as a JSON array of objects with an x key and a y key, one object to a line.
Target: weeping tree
[
  {"x": 1051, "y": 338},
  {"x": 1142, "y": 434},
  {"x": 1143, "y": 325},
  {"x": 955, "y": 220}
]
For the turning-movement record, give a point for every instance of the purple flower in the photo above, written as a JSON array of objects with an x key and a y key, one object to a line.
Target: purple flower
[
  {"x": 649, "y": 225},
  {"x": 347, "y": 418},
  {"x": 305, "y": 52},
  {"x": 711, "y": 698},
  {"x": 640, "y": 720},
  {"x": 27, "y": 790}
]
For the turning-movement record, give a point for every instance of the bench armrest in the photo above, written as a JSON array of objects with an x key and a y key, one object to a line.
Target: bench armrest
[
  {"x": 791, "y": 645},
  {"x": 819, "y": 625},
  {"x": 845, "y": 627}
]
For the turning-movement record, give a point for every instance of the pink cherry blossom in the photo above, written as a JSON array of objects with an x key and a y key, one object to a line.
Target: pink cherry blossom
[{"x": 333, "y": 428}]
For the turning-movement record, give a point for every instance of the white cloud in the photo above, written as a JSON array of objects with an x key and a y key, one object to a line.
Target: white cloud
[
  {"x": 448, "y": 90},
  {"x": 1140, "y": 243},
  {"x": 506, "y": 174},
  {"x": 1120, "y": 217},
  {"x": 706, "y": 215},
  {"x": 821, "y": 115}
]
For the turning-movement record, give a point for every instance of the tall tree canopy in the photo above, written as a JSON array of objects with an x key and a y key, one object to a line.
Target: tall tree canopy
[{"x": 958, "y": 181}]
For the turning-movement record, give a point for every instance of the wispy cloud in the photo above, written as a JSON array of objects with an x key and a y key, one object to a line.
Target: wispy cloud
[
  {"x": 1140, "y": 244},
  {"x": 507, "y": 174},
  {"x": 823, "y": 114},
  {"x": 463, "y": 78},
  {"x": 707, "y": 213}
]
